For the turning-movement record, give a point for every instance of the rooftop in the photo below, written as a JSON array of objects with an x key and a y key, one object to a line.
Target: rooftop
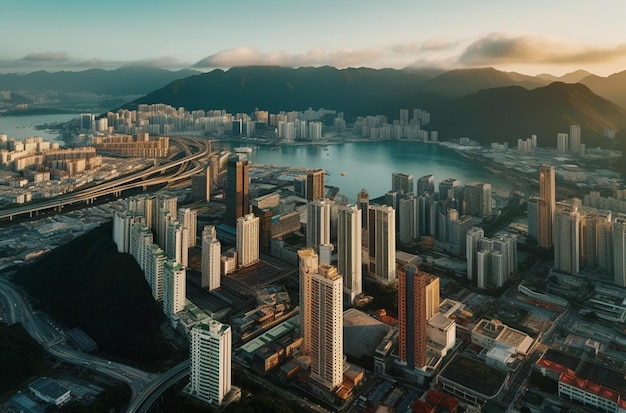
[
  {"x": 474, "y": 375},
  {"x": 49, "y": 387}
]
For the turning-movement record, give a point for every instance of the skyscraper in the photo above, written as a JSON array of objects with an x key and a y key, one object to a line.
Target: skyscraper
[
  {"x": 154, "y": 270},
  {"x": 449, "y": 189},
  {"x": 321, "y": 290},
  {"x": 408, "y": 219},
  {"x": 426, "y": 184},
  {"x": 210, "y": 370},
  {"x": 619, "y": 251},
  {"x": 567, "y": 239},
  {"x": 315, "y": 185},
  {"x": 363, "y": 203},
  {"x": 237, "y": 188},
  {"x": 402, "y": 183},
  {"x": 382, "y": 242},
  {"x": 471, "y": 248},
  {"x": 574, "y": 139},
  {"x": 166, "y": 207},
  {"x": 349, "y": 254},
  {"x": 545, "y": 205},
  {"x": 418, "y": 301},
  {"x": 211, "y": 255},
  {"x": 248, "y": 229},
  {"x": 174, "y": 287},
  {"x": 318, "y": 223},
  {"x": 189, "y": 219},
  {"x": 477, "y": 199}
]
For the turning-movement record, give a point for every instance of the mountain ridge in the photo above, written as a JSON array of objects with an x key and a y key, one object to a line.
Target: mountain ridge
[{"x": 515, "y": 110}]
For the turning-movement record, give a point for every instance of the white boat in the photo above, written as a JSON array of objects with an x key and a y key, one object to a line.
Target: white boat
[{"x": 344, "y": 173}]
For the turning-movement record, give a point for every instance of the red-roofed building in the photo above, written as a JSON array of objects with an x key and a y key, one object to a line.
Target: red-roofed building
[
  {"x": 590, "y": 394},
  {"x": 420, "y": 406},
  {"x": 552, "y": 369}
]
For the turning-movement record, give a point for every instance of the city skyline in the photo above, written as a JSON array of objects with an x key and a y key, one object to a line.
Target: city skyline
[{"x": 555, "y": 37}]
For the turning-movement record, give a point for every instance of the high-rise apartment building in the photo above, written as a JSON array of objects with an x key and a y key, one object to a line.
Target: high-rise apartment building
[
  {"x": 402, "y": 183},
  {"x": 315, "y": 185},
  {"x": 477, "y": 199},
  {"x": 546, "y": 205},
  {"x": 189, "y": 219},
  {"x": 237, "y": 188},
  {"x": 408, "y": 219},
  {"x": 349, "y": 253},
  {"x": 140, "y": 239},
  {"x": 471, "y": 248},
  {"x": 567, "y": 239},
  {"x": 321, "y": 309},
  {"x": 176, "y": 242},
  {"x": 597, "y": 243},
  {"x": 562, "y": 142},
  {"x": 153, "y": 272},
  {"x": 363, "y": 203},
  {"x": 449, "y": 189},
  {"x": 574, "y": 139},
  {"x": 426, "y": 184},
  {"x": 382, "y": 243},
  {"x": 174, "y": 287},
  {"x": 167, "y": 206},
  {"x": 201, "y": 185},
  {"x": 418, "y": 302},
  {"x": 318, "y": 223},
  {"x": 211, "y": 258},
  {"x": 619, "y": 251},
  {"x": 248, "y": 231},
  {"x": 211, "y": 360}
]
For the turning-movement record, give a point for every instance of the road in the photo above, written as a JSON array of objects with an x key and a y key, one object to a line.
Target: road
[
  {"x": 136, "y": 379},
  {"x": 158, "y": 386},
  {"x": 168, "y": 172}
]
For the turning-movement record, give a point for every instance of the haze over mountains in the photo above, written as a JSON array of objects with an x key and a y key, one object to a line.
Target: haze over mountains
[{"x": 483, "y": 104}]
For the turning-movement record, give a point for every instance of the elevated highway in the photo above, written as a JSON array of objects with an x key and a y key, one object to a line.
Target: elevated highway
[{"x": 172, "y": 171}]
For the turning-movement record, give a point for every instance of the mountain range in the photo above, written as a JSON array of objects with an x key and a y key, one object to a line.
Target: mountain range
[
  {"x": 124, "y": 81},
  {"x": 483, "y": 104}
]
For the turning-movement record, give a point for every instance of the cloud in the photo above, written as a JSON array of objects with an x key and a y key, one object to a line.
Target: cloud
[
  {"x": 499, "y": 48},
  {"x": 46, "y": 57},
  {"x": 427, "y": 46},
  {"x": 248, "y": 56}
]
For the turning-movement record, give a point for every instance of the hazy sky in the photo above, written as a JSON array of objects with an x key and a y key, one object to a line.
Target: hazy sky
[{"x": 548, "y": 36}]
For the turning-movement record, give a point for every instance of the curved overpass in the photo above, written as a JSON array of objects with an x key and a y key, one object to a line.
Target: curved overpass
[
  {"x": 171, "y": 171},
  {"x": 144, "y": 401}
]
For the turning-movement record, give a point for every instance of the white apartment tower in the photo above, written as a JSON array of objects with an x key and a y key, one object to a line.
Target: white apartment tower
[
  {"x": 155, "y": 260},
  {"x": 349, "y": 253},
  {"x": 210, "y": 370},
  {"x": 174, "y": 288},
  {"x": 321, "y": 312},
  {"x": 176, "y": 240},
  {"x": 140, "y": 239},
  {"x": 318, "y": 223},
  {"x": 189, "y": 218},
  {"x": 166, "y": 205},
  {"x": 382, "y": 242},
  {"x": 211, "y": 256},
  {"x": 247, "y": 240}
]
